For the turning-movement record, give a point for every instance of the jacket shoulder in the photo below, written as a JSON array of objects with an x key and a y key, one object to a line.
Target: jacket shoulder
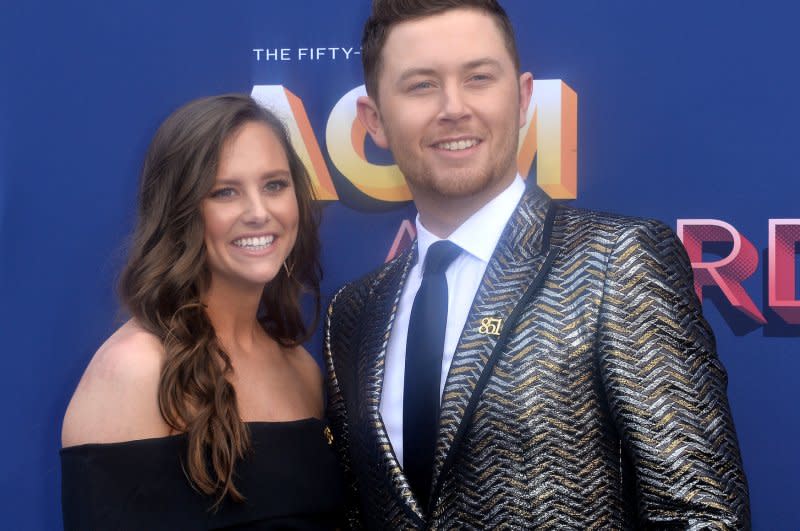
[
  {"x": 348, "y": 303},
  {"x": 574, "y": 219},
  {"x": 357, "y": 291},
  {"x": 575, "y": 226}
]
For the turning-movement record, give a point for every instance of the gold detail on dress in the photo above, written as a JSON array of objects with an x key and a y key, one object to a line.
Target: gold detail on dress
[
  {"x": 328, "y": 435},
  {"x": 490, "y": 326}
]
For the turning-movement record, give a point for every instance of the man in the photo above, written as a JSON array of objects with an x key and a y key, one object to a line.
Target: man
[{"x": 547, "y": 368}]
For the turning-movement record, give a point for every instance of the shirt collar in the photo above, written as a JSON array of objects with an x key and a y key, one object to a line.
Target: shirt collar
[{"x": 479, "y": 234}]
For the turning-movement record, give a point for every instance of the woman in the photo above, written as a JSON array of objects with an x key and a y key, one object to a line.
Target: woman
[{"x": 203, "y": 410}]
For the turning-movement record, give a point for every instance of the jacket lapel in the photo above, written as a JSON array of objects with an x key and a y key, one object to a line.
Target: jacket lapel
[
  {"x": 378, "y": 321},
  {"x": 517, "y": 266}
]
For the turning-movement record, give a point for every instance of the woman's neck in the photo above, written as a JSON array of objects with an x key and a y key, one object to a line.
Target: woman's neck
[{"x": 232, "y": 311}]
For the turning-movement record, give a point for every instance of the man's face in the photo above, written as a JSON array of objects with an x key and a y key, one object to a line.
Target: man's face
[{"x": 449, "y": 106}]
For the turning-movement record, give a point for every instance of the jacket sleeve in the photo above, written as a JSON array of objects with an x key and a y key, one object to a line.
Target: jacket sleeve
[
  {"x": 666, "y": 388},
  {"x": 335, "y": 359}
]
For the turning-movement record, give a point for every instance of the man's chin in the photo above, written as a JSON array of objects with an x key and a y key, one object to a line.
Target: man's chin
[{"x": 463, "y": 185}]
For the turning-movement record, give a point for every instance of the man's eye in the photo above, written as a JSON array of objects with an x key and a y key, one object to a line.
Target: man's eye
[
  {"x": 422, "y": 85},
  {"x": 480, "y": 78},
  {"x": 221, "y": 193}
]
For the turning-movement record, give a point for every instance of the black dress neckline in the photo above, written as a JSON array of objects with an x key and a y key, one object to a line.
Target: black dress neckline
[
  {"x": 250, "y": 423},
  {"x": 290, "y": 480}
]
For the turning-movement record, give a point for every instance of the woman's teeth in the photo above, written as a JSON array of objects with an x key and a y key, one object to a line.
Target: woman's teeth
[{"x": 262, "y": 242}]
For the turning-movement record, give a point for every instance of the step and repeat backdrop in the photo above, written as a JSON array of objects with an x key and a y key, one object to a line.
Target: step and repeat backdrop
[{"x": 682, "y": 111}]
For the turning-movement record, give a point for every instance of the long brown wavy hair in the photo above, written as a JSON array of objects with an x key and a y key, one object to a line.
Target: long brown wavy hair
[{"x": 166, "y": 276}]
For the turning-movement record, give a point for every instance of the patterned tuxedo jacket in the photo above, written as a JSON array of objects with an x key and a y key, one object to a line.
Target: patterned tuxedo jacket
[{"x": 585, "y": 391}]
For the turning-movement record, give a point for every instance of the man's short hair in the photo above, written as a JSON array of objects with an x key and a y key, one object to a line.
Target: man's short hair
[{"x": 387, "y": 13}]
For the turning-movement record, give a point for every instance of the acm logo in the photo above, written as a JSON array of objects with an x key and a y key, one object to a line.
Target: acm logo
[{"x": 550, "y": 137}]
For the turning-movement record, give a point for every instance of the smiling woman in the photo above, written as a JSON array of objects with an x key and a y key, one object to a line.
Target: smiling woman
[
  {"x": 251, "y": 214},
  {"x": 204, "y": 410}
]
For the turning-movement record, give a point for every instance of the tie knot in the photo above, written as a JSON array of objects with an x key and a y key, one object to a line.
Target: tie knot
[{"x": 439, "y": 256}]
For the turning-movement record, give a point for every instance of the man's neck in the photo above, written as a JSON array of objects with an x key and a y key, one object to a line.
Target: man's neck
[{"x": 442, "y": 215}]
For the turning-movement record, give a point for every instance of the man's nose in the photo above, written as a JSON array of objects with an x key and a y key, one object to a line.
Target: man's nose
[{"x": 453, "y": 103}]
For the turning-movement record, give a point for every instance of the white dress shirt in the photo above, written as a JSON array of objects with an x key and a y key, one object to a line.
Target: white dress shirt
[{"x": 477, "y": 237}]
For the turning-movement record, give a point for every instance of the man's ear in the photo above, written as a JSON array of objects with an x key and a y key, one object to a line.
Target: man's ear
[
  {"x": 525, "y": 91},
  {"x": 370, "y": 118}
]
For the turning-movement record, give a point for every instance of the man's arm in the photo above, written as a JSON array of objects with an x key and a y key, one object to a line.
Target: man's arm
[
  {"x": 666, "y": 387},
  {"x": 337, "y": 411}
]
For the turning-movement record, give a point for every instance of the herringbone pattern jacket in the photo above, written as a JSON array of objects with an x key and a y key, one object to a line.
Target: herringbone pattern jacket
[{"x": 597, "y": 402}]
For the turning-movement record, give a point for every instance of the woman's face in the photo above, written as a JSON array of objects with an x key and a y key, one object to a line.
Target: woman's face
[{"x": 251, "y": 215}]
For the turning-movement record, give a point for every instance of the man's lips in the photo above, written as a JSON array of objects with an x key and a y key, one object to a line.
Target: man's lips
[{"x": 459, "y": 144}]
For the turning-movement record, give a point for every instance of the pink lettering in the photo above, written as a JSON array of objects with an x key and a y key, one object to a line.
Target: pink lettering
[
  {"x": 784, "y": 235},
  {"x": 727, "y": 273}
]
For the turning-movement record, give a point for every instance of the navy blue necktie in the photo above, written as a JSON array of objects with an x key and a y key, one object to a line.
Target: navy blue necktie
[{"x": 423, "y": 371}]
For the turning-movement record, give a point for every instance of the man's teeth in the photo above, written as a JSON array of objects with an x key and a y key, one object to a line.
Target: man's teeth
[
  {"x": 261, "y": 242},
  {"x": 457, "y": 145}
]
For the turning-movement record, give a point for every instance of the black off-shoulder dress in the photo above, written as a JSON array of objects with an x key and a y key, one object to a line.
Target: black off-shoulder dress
[{"x": 291, "y": 480}]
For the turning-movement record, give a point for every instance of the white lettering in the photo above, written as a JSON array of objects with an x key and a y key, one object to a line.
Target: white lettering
[{"x": 316, "y": 53}]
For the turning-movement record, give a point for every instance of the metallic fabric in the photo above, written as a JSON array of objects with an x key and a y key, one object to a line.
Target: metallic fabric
[{"x": 601, "y": 403}]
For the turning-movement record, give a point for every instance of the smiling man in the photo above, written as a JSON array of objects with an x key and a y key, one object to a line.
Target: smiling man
[{"x": 525, "y": 364}]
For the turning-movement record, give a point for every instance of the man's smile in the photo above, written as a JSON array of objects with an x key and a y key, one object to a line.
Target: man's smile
[{"x": 457, "y": 145}]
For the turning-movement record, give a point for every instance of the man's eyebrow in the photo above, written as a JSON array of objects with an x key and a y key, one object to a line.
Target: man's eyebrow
[
  {"x": 411, "y": 72},
  {"x": 483, "y": 61},
  {"x": 471, "y": 65}
]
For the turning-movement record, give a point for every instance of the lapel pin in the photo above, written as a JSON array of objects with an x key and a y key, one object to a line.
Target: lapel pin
[
  {"x": 490, "y": 326},
  {"x": 328, "y": 435}
]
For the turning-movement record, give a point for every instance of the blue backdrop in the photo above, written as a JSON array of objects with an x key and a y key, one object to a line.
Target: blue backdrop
[{"x": 686, "y": 110}]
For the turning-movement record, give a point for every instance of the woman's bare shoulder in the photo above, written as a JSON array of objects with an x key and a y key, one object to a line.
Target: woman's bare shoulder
[
  {"x": 311, "y": 375},
  {"x": 117, "y": 397}
]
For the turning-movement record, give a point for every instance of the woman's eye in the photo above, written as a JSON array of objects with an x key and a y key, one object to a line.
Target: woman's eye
[
  {"x": 221, "y": 193},
  {"x": 276, "y": 185}
]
